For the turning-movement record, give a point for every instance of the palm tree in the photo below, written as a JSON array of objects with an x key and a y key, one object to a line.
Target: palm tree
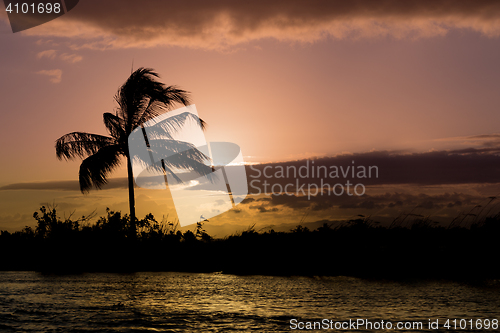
[{"x": 141, "y": 98}]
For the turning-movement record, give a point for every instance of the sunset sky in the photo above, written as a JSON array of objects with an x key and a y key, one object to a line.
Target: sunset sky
[{"x": 409, "y": 86}]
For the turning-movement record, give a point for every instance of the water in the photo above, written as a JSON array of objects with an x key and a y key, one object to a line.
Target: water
[{"x": 189, "y": 302}]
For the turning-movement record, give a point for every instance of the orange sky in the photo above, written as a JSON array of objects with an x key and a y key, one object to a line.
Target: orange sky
[{"x": 285, "y": 81}]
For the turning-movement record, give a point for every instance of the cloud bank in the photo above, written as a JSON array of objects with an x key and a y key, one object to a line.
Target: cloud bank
[
  {"x": 63, "y": 185},
  {"x": 479, "y": 165},
  {"x": 219, "y": 24},
  {"x": 465, "y": 166}
]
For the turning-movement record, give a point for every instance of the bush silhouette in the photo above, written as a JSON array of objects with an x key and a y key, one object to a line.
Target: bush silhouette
[{"x": 358, "y": 247}]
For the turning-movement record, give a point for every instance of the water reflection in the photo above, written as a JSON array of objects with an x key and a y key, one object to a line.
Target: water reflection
[{"x": 180, "y": 302}]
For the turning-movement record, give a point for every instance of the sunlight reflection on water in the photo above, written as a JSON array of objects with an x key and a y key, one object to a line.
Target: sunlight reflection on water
[{"x": 180, "y": 302}]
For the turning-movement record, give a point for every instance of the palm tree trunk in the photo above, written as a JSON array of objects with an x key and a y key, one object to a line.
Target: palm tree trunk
[{"x": 131, "y": 198}]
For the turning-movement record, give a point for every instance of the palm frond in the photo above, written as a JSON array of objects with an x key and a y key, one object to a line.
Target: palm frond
[
  {"x": 170, "y": 125},
  {"x": 162, "y": 101},
  {"x": 134, "y": 95},
  {"x": 80, "y": 144},
  {"x": 176, "y": 155},
  {"x": 95, "y": 169},
  {"x": 188, "y": 160},
  {"x": 115, "y": 126},
  {"x": 143, "y": 97},
  {"x": 173, "y": 164}
]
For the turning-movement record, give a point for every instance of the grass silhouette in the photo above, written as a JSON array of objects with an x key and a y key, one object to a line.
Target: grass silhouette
[{"x": 359, "y": 247}]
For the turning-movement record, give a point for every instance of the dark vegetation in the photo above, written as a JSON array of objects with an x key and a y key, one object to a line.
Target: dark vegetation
[{"x": 357, "y": 248}]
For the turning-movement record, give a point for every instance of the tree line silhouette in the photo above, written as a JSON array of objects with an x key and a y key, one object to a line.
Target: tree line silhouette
[{"x": 359, "y": 247}]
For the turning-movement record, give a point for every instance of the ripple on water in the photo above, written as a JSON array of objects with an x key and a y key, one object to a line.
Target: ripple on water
[{"x": 180, "y": 302}]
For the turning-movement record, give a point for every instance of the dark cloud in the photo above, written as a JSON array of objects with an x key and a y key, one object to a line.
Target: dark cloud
[
  {"x": 455, "y": 204},
  {"x": 247, "y": 200},
  {"x": 63, "y": 185},
  {"x": 264, "y": 209},
  {"x": 364, "y": 204},
  {"x": 466, "y": 166},
  {"x": 212, "y": 24},
  {"x": 418, "y": 204},
  {"x": 395, "y": 204}
]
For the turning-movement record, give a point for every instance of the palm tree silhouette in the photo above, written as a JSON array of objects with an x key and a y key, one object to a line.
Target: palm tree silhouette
[{"x": 141, "y": 98}]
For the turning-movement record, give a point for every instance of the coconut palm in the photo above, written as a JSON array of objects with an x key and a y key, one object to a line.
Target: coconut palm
[{"x": 141, "y": 98}]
